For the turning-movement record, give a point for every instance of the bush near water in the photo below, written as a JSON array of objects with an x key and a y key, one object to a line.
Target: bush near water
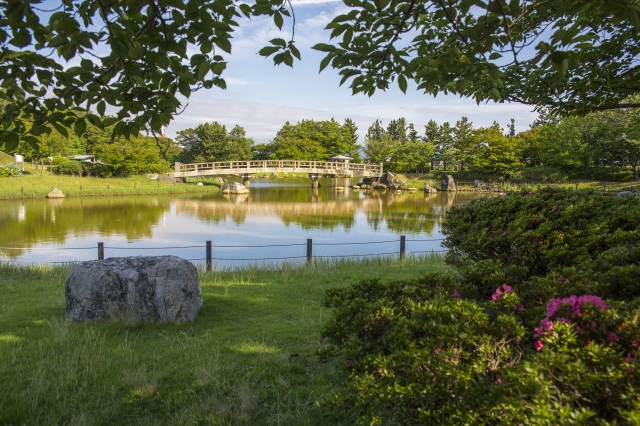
[{"x": 537, "y": 324}]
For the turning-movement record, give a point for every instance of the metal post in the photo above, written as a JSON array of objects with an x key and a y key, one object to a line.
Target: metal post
[
  {"x": 309, "y": 250},
  {"x": 100, "y": 251},
  {"x": 209, "y": 256},
  {"x": 402, "y": 246}
]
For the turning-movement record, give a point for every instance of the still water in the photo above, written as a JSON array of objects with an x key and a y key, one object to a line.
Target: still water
[{"x": 270, "y": 225}]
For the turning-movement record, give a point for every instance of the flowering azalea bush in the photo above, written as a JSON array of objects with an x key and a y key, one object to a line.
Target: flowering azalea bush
[{"x": 422, "y": 352}]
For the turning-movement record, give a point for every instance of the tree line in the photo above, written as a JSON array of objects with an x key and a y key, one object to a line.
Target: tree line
[{"x": 576, "y": 145}]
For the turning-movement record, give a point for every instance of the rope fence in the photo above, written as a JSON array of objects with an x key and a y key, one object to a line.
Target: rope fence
[{"x": 210, "y": 258}]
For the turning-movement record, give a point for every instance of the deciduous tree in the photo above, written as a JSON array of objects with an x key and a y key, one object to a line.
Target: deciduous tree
[
  {"x": 567, "y": 55},
  {"x": 57, "y": 58}
]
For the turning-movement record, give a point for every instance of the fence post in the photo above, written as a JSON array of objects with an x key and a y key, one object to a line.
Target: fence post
[
  {"x": 208, "y": 256},
  {"x": 309, "y": 250},
  {"x": 402, "y": 246},
  {"x": 100, "y": 251}
]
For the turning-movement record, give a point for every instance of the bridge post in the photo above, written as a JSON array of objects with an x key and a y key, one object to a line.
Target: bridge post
[{"x": 177, "y": 167}]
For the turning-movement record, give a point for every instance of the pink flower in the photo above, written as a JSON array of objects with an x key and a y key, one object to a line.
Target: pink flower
[
  {"x": 629, "y": 357},
  {"x": 507, "y": 288},
  {"x": 613, "y": 337},
  {"x": 456, "y": 293},
  {"x": 499, "y": 380},
  {"x": 554, "y": 208},
  {"x": 504, "y": 233},
  {"x": 520, "y": 308},
  {"x": 561, "y": 278},
  {"x": 538, "y": 345},
  {"x": 496, "y": 296}
]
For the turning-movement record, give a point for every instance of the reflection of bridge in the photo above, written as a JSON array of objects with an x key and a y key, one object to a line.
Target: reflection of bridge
[{"x": 246, "y": 168}]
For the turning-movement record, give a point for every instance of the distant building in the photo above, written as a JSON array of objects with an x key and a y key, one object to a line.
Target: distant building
[
  {"x": 85, "y": 158},
  {"x": 344, "y": 158}
]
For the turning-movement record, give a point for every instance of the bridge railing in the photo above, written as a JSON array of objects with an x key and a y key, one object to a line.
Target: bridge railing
[{"x": 253, "y": 166}]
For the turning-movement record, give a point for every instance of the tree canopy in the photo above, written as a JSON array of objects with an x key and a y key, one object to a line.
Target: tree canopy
[
  {"x": 314, "y": 140},
  {"x": 567, "y": 55},
  {"x": 212, "y": 142},
  {"x": 58, "y": 58}
]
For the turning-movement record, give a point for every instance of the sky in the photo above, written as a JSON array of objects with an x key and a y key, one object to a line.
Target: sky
[{"x": 262, "y": 97}]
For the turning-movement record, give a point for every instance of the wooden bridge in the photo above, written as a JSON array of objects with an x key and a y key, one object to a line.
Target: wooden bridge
[{"x": 247, "y": 168}]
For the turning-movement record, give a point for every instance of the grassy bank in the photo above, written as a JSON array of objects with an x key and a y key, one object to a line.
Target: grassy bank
[
  {"x": 37, "y": 183},
  {"x": 466, "y": 183},
  {"x": 249, "y": 358}
]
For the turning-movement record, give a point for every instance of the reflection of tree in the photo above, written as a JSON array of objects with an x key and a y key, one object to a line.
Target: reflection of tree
[
  {"x": 324, "y": 208},
  {"x": 411, "y": 213},
  {"x": 31, "y": 222}
]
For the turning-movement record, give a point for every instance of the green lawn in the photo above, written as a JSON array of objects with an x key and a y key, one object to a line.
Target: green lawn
[{"x": 249, "y": 358}]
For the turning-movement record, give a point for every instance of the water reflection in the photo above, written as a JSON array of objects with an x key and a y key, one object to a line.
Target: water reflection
[{"x": 274, "y": 211}]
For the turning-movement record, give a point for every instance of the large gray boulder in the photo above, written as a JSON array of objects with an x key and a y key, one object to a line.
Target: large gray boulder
[
  {"x": 142, "y": 288},
  {"x": 234, "y": 188},
  {"x": 448, "y": 184}
]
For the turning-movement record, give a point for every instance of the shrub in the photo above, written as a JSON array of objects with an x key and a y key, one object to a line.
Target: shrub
[
  {"x": 590, "y": 239},
  {"x": 421, "y": 352},
  {"x": 10, "y": 170},
  {"x": 70, "y": 167}
]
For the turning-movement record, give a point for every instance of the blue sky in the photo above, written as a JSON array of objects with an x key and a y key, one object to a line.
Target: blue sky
[{"x": 261, "y": 97}]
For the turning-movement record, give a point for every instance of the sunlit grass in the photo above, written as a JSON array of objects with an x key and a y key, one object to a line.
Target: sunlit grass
[
  {"x": 249, "y": 358},
  {"x": 34, "y": 185}
]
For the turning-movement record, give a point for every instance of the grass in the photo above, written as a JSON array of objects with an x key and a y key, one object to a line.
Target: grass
[
  {"x": 418, "y": 181},
  {"x": 249, "y": 358},
  {"x": 36, "y": 183}
]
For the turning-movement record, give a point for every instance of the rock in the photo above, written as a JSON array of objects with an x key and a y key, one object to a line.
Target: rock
[
  {"x": 234, "y": 188},
  {"x": 625, "y": 194},
  {"x": 339, "y": 188},
  {"x": 55, "y": 193},
  {"x": 144, "y": 288},
  {"x": 152, "y": 176},
  {"x": 199, "y": 184},
  {"x": 356, "y": 187},
  {"x": 429, "y": 189},
  {"x": 169, "y": 179},
  {"x": 387, "y": 180},
  {"x": 411, "y": 190},
  {"x": 448, "y": 184}
]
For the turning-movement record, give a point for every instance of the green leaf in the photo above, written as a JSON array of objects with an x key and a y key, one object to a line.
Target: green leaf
[
  {"x": 101, "y": 108},
  {"x": 278, "y": 19},
  {"x": 80, "y": 127},
  {"x": 278, "y": 42},
  {"x": 402, "y": 83},
  {"x": 203, "y": 69},
  {"x": 268, "y": 51},
  {"x": 294, "y": 51},
  {"x": 325, "y": 62},
  {"x": 246, "y": 10},
  {"x": 322, "y": 47},
  {"x": 288, "y": 59}
]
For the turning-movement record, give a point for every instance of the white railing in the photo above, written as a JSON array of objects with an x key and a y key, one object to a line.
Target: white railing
[{"x": 270, "y": 166}]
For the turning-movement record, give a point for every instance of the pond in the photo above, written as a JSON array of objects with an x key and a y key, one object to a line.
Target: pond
[{"x": 269, "y": 225}]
